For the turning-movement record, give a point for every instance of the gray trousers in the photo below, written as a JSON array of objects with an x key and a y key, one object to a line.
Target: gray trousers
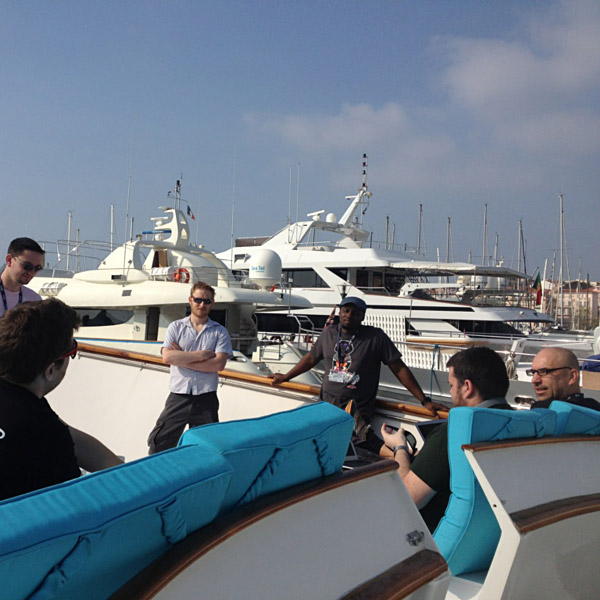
[{"x": 181, "y": 410}]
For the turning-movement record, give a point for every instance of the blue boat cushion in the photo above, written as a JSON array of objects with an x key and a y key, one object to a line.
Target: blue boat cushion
[
  {"x": 86, "y": 537},
  {"x": 468, "y": 533},
  {"x": 572, "y": 419},
  {"x": 279, "y": 450}
]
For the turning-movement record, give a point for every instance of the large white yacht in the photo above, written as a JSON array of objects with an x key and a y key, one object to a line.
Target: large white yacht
[
  {"x": 140, "y": 287},
  {"x": 412, "y": 299}
]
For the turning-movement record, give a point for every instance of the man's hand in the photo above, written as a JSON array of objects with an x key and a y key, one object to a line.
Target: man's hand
[
  {"x": 432, "y": 407},
  {"x": 393, "y": 439},
  {"x": 278, "y": 378}
]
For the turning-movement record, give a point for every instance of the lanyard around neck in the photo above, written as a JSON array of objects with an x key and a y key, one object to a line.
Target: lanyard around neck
[{"x": 4, "y": 300}]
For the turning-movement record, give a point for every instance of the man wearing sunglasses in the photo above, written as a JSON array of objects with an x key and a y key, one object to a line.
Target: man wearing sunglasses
[
  {"x": 196, "y": 348},
  {"x": 24, "y": 259},
  {"x": 37, "y": 449},
  {"x": 555, "y": 376}
]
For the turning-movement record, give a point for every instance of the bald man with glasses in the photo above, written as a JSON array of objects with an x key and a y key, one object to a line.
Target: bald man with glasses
[
  {"x": 555, "y": 376},
  {"x": 24, "y": 259}
]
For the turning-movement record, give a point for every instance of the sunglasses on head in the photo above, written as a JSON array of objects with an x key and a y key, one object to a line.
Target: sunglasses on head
[
  {"x": 71, "y": 353},
  {"x": 28, "y": 266},
  {"x": 202, "y": 300}
]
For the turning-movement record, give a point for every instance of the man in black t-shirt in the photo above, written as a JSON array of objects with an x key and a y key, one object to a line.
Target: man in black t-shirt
[
  {"x": 353, "y": 354},
  {"x": 555, "y": 376},
  {"x": 477, "y": 377},
  {"x": 37, "y": 449}
]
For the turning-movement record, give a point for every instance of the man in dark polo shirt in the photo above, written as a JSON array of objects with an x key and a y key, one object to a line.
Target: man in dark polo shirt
[
  {"x": 37, "y": 449},
  {"x": 555, "y": 376},
  {"x": 477, "y": 377},
  {"x": 353, "y": 354}
]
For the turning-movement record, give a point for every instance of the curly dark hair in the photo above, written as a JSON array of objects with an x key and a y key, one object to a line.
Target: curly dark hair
[
  {"x": 484, "y": 368},
  {"x": 32, "y": 336}
]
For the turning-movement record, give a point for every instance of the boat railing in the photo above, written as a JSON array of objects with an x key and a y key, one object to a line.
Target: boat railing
[{"x": 64, "y": 257}]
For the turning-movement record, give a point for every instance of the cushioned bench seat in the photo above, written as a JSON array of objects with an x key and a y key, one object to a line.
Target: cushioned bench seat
[
  {"x": 468, "y": 534},
  {"x": 572, "y": 419},
  {"x": 277, "y": 451},
  {"x": 84, "y": 538}
]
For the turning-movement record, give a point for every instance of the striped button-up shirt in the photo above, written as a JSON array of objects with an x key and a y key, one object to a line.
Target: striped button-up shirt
[{"x": 212, "y": 337}]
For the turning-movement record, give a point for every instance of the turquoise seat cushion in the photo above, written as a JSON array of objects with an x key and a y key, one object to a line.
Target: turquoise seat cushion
[
  {"x": 279, "y": 450},
  {"x": 84, "y": 538},
  {"x": 572, "y": 419},
  {"x": 468, "y": 533}
]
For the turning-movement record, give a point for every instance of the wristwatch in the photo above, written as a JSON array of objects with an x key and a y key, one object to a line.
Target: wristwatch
[
  {"x": 396, "y": 448},
  {"x": 427, "y": 399}
]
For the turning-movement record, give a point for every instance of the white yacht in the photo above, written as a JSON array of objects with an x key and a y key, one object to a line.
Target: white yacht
[
  {"x": 419, "y": 303},
  {"x": 129, "y": 300}
]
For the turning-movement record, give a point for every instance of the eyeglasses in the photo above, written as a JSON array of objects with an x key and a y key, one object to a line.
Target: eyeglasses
[
  {"x": 202, "y": 300},
  {"x": 543, "y": 372},
  {"x": 28, "y": 266},
  {"x": 71, "y": 353}
]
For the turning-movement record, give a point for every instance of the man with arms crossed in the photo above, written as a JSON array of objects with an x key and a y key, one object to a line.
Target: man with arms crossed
[
  {"x": 37, "y": 449},
  {"x": 24, "y": 258},
  {"x": 353, "y": 354},
  {"x": 555, "y": 376},
  {"x": 196, "y": 348},
  {"x": 477, "y": 377}
]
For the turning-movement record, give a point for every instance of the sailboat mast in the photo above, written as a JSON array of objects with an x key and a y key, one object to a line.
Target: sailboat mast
[
  {"x": 560, "y": 273},
  {"x": 484, "y": 249}
]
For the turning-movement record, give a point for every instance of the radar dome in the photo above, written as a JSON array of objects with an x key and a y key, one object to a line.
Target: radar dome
[
  {"x": 330, "y": 218},
  {"x": 265, "y": 268}
]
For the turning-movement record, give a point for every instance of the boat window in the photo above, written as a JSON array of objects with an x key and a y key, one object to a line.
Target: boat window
[
  {"x": 486, "y": 328},
  {"x": 306, "y": 278},
  {"x": 362, "y": 278},
  {"x": 342, "y": 273},
  {"x": 92, "y": 317},
  {"x": 377, "y": 279},
  {"x": 393, "y": 283},
  {"x": 283, "y": 323}
]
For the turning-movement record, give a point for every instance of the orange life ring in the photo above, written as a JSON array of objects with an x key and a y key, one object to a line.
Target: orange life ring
[{"x": 182, "y": 276}]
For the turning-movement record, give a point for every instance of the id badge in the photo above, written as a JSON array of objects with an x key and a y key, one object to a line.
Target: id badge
[{"x": 337, "y": 376}]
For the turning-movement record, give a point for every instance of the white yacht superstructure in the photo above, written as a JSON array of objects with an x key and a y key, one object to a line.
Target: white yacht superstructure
[{"x": 144, "y": 285}]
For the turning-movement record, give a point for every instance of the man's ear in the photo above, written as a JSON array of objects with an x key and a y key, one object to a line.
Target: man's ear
[
  {"x": 573, "y": 376},
  {"x": 49, "y": 372},
  {"x": 469, "y": 389}
]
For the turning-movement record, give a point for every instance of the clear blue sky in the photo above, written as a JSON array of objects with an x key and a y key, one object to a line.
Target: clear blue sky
[{"x": 457, "y": 104}]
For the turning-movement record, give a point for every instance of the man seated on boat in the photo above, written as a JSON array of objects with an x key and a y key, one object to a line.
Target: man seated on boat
[
  {"x": 196, "y": 348},
  {"x": 24, "y": 259},
  {"x": 555, "y": 376},
  {"x": 37, "y": 449},
  {"x": 477, "y": 377},
  {"x": 353, "y": 354}
]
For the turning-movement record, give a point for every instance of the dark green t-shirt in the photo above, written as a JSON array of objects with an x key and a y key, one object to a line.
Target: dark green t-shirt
[{"x": 431, "y": 465}]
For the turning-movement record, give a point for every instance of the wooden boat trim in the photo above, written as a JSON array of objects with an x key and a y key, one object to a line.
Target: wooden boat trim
[
  {"x": 521, "y": 442},
  {"x": 148, "y": 582},
  {"x": 402, "y": 579},
  {"x": 536, "y": 517},
  {"x": 225, "y": 373},
  {"x": 410, "y": 409}
]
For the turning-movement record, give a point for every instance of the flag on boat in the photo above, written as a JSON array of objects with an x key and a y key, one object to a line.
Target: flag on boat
[
  {"x": 330, "y": 318},
  {"x": 189, "y": 211},
  {"x": 538, "y": 291}
]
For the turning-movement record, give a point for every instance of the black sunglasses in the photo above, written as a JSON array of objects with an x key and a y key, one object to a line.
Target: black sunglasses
[
  {"x": 28, "y": 266},
  {"x": 202, "y": 300}
]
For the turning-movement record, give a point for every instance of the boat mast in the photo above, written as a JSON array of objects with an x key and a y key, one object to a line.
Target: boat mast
[
  {"x": 484, "y": 250},
  {"x": 560, "y": 272},
  {"x": 69, "y": 221},
  {"x": 419, "y": 230}
]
